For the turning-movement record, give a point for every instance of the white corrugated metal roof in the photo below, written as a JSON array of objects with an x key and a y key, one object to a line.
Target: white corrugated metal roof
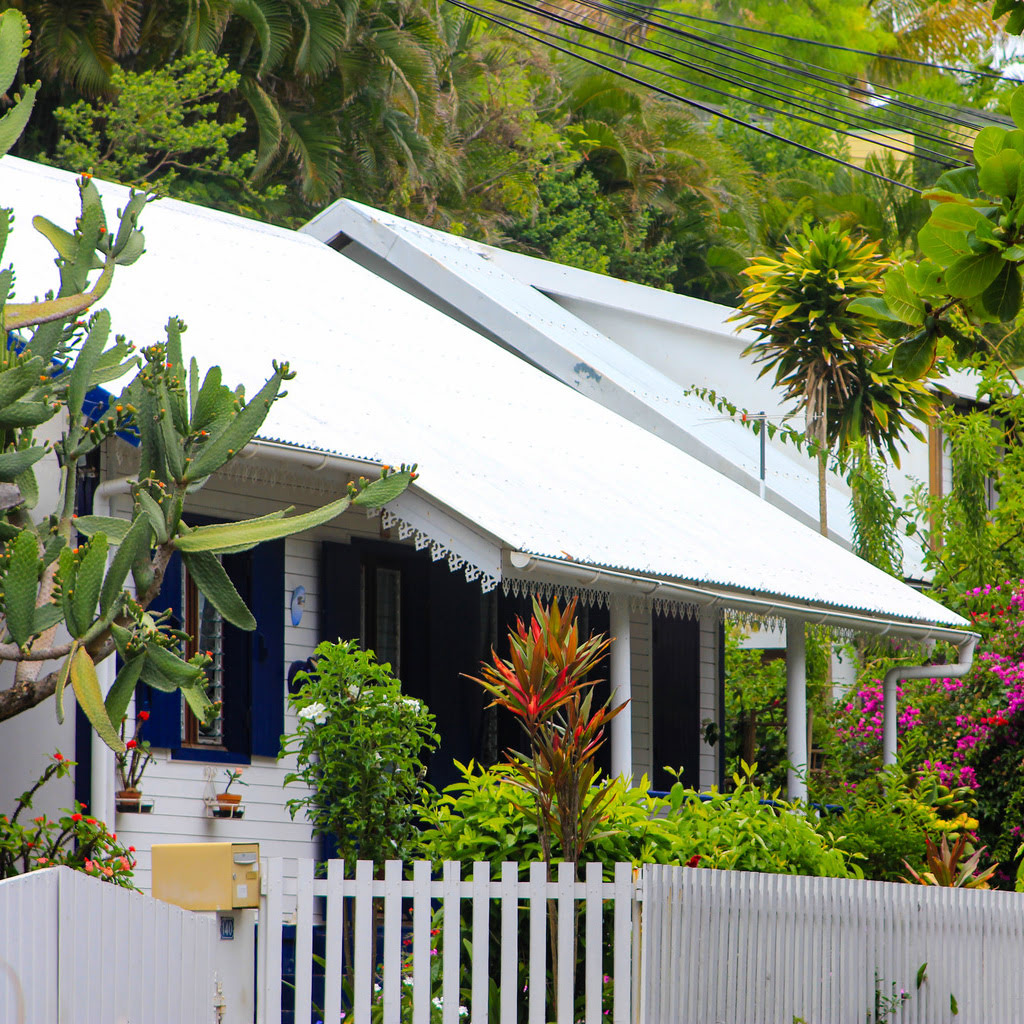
[{"x": 381, "y": 375}]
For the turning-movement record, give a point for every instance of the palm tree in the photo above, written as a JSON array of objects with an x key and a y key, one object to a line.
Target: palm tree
[{"x": 827, "y": 358}]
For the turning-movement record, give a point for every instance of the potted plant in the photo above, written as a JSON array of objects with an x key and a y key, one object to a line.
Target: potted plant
[
  {"x": 227, "y": 802},
  {"x": 131, "y": 764}
]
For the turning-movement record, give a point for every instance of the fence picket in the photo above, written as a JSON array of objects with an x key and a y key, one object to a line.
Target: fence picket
[
  {"x": 566, "y": 942},
  {"x": 537, "y": 977},
  {"x": 622, "y": 974},
  {"x": 333, "y": 965},
  {"x": 593, "y": 945},
  {"x": 272, "y": 941},
  {"x": 421, "y": 945},
  {"x": 451, "y": 915},
  {"x": 303, "y": 938},
  {"x": 392, "y": 942},
  {"x": 364, "y": 940},
  {"x": 509, "y": 941},
  {"x": 480, "y": 966}
]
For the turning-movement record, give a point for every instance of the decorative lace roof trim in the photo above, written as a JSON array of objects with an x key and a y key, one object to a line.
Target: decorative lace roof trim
[
  {"x": 438, "y": 551},
  {"x": 527, "y": 586}
]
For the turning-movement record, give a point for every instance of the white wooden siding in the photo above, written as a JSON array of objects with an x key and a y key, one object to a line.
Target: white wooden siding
[
  {"x": 709, "y": 695},
  {"x": 641, "y": 689},
  {"x": 178, "y": 786}
]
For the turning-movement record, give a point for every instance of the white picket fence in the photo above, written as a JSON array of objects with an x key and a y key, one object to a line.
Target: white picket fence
[
  {"x": 460, "y": 910},
  {"x": 733, "y": 947},
  {"x": 74, "y": 950}
]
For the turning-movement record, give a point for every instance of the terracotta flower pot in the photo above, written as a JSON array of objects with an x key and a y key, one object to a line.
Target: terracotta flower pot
[
  {"x": 229, "y": 799},
  {"x": 128, "y": 799}
]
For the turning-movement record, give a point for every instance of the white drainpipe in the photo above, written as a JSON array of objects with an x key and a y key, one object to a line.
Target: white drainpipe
[
  {"x": 895, "y": 675},
  {"x": 101, "y": 777}
]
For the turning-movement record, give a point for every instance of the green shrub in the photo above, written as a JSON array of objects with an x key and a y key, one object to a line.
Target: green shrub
[
  {"x": 73, "y": 840},
  {"x": 888, "y": 817},
  {"x": 480, "y": 818},
  {"x": 359, "y": 744}
]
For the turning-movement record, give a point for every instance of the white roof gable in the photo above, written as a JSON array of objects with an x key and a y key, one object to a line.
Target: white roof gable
[
  {"x": 531, "y": 463},
  {"x": 535, "y": 307}
]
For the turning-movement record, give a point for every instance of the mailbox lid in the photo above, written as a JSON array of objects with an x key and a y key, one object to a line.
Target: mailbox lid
[{"x": 195, "y": 876}]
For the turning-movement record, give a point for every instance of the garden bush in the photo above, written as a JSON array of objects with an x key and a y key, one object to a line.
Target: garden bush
[
  {"x": 72, "y": 840},
  {"x": 481, "y": 818},
  {"x": 359, "y": 745}
]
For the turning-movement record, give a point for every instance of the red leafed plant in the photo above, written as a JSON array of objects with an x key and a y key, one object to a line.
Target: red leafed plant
[{"x": 546, "y": 683}]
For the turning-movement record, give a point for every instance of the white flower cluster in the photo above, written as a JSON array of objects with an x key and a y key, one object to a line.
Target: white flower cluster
[{"x": 315, "y": 712}]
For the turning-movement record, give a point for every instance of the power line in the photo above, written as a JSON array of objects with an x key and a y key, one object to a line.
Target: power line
[
  {"x": 519, "y": 29},
  {"x": 835, "y": 46},
  {"x": 884, "y": 142},
  {"x": 860, "y": 121},
  {"x": 921, "y": 109}
]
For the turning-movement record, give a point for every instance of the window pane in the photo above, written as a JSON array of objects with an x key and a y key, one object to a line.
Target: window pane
[
  {"x": 206, "y": 627},
  {"x": 211, "y": 638},
  {"x": 389, "y": 613}
]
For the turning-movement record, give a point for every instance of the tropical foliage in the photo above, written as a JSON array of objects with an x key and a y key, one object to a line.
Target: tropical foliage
[
  {"x": 54, "y": 569},
  {"x": 358, "y": 745}
]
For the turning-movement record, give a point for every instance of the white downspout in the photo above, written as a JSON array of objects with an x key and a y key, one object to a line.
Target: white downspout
[
  {"x": 101, "y": 777},
  {"x": 895, "y": 675}
]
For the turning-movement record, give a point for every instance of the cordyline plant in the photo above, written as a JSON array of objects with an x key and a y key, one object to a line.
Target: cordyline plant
[
  {"x": 945, "y": 868},
  {"x": 545, "y": 684},
  {"x": 188, "y": 428}
]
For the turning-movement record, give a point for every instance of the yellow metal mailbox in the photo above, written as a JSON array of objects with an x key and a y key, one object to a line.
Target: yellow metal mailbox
[{"x": 207, "y": 876}]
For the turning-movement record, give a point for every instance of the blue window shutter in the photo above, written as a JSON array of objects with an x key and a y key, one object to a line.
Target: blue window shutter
[
  {"x": 268, "y": 669},
  {"x": 164, "y": 726}
]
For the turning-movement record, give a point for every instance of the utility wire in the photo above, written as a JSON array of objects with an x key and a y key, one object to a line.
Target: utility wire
[
  {"x": 518, "y": 29},
  {"x": 836, "y": 46},
  {"x": 827, "y": 77},
  {"x": 930, "y": 104},
  {"x": 559, "y": 18},
  {"x": 854, "y": 119}
]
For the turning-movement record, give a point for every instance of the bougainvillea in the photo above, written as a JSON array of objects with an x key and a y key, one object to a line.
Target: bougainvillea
[{"x": 962, "y": 732}]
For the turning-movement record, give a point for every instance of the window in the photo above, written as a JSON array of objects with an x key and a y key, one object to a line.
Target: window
[
  {"x": 380, "y": 626},
  {"x": 204, "y": 625},
  {"x": 248, "y": 670}
]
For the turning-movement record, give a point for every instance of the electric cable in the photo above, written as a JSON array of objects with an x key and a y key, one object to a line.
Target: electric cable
[{"x": 515, "y": 28}]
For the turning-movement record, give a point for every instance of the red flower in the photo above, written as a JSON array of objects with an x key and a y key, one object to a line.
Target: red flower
[
  {"x": 143, "y": 716},
  {"x": 76, "y": 817},
  {"x": 131, "y": 849},
  {"x": 693, "y": 861},
  {"x": 58, "y": 756},
  {"x": 90, "y": 821},
  {"x": 131, "y": 744}
]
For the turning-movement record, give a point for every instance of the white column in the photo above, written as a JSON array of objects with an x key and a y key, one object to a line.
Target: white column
[
  {"x": 796, "y": 709},
  {"x": 619, "y": 672},
  {"x": 101, "y": 778}
]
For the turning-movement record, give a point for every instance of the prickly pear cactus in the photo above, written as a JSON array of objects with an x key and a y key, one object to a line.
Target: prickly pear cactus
[{"x": 62, "y": 570}]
